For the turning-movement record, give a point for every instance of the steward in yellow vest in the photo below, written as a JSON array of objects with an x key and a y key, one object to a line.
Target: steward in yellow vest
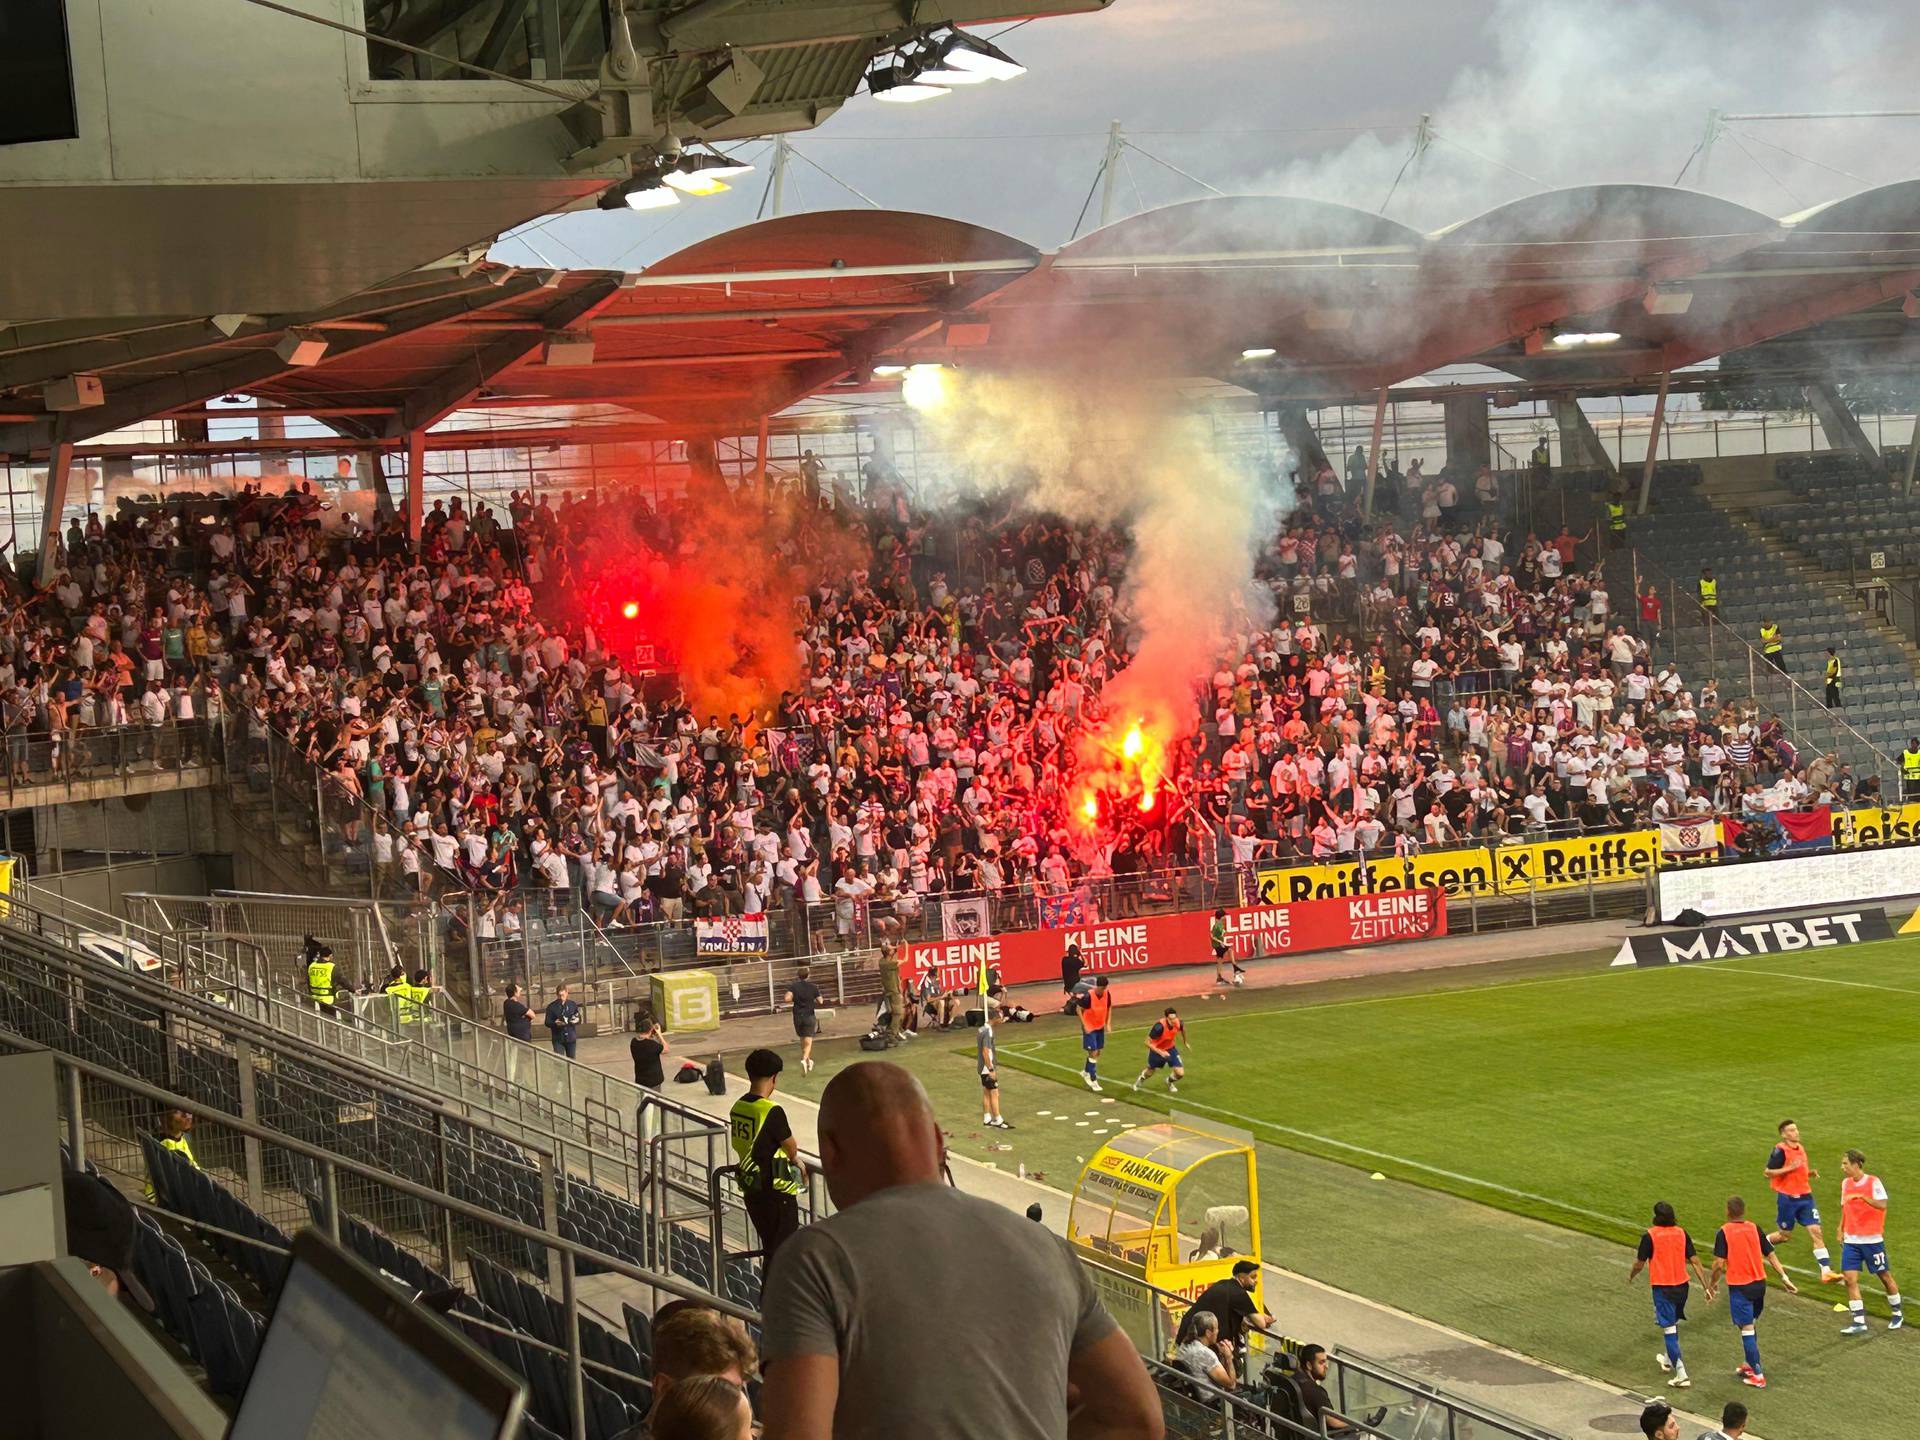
[
  {"x": 1910, "y": 770},
  {"x": 1772, "y": 646}
]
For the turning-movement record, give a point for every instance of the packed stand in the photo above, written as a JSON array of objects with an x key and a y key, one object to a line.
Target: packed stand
[{"x": 1428, "y": 676}]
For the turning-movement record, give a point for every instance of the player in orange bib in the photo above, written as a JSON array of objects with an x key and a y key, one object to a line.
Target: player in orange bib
[
  {"x": 1792, "y": 1178},
  {"x": 1096, "y": 1008},
  {"x": 1742, "y": 1254},
  {"x": 1863, "y": 1240},
  {"x": 1163, "y": 1051},
  {"x": 1666, "y": 1253}
]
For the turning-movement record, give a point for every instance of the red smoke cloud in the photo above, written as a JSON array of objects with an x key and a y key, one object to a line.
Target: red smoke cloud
[{"x": 711, "y": 585}]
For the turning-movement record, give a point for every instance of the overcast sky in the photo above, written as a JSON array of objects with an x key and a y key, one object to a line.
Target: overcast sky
[{"x": 1321, "y": 98}]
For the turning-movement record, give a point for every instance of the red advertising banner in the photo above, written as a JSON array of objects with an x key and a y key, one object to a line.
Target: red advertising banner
[{"x": 1157, "y": 942}]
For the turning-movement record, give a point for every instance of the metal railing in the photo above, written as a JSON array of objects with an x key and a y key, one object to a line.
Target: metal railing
[
  {"x": 206, "y": 1007},
  {"x": 41, "y": 765},
  {"x": 290, "y": 1182}
]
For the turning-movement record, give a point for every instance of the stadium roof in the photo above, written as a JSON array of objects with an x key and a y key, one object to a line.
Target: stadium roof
[{"x": 744, "y": 324}]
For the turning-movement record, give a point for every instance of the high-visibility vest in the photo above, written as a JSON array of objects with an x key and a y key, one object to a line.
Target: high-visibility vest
[
  {"x": 1616, "y": 515},
  {"x": 1910, "y": 765},
  {"x": 320, "y": 981},
  {"x": 745, "y": 1121},
  {"x": 410, "y": 1001},
  {"x": 1709, "y": 592},
  {"x": 1833, "y": 669},
  {"x": 179, "y": 1146},
  {"x": 1770, "y": 639}
]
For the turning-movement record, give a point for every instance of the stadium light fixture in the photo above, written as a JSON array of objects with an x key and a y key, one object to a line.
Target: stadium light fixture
[
  {"x": 924, "y": 387},
  {"x": 961, "y": 51},
  {"x": 704, "y": 174},
  {"x": 889, "y": 371},
  {"x": 1568, "y": 339},
  {"x": 1259, "y": 352},
  {"x": 899, "y": 83}
]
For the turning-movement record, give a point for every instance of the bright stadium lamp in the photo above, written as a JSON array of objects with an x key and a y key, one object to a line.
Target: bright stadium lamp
[
  {"x": 702, "y": 174},
  {"x": 1259, "y": 352},
  {"x": 1567, "y": 339},
  {"x": 961, "y": 51},
  {"x": 899, "y": 83},
  {"x": 924, "y": 387},
  {"x": 887, "y": 372}
]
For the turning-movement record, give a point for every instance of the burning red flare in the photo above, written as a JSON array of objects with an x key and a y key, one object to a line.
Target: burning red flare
[{"x": 631, "y": 610}]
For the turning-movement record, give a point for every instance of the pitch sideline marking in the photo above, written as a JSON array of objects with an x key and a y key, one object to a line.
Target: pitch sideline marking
[{"x": 1819, "y": 980}]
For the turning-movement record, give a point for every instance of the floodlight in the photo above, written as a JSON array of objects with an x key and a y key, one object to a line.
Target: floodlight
[
  {"x": 1567, "y": 339},
  {"x": 1259, "y": 352},
  {"x": 962, "y": 51},
  {"x": 887, "y": 371},
  {"x": 924, "y": 387},
  {"x": 898, "y": 83},
  {"x": 702, "y": 174},
  {"x": 695, "y": 184}
]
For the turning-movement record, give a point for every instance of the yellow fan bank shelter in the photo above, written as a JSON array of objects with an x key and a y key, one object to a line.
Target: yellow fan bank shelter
[{"x": 1173, "y": 1206}]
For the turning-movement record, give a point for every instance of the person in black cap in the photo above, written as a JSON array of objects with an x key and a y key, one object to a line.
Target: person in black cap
[
  {"x": 1231, "y": 1302},
  {"x": 1658, "y": 1422},
  {"x": 100, "y": 1230},
  {"x": 767, "y": 1157}
]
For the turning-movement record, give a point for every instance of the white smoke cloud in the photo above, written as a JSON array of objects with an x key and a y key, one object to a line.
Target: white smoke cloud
[
  {"x": 1578, "y": 93},
  {"x": 1095, "y": 450}
]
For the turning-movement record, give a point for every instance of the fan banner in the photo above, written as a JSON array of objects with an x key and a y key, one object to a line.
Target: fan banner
[
  {"x": 731, "y": 935},
  {"x": 1057, "y": 911},
  {"x": 964, "y": 919},
  {"x": 1690, "y": 837},
  {"x": 1026, "y": 957}
]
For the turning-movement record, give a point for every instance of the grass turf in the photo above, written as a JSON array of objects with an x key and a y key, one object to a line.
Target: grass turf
[{"x": 1526, "y": 1117}]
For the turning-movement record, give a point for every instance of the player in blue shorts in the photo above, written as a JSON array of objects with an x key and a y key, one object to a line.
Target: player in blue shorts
[
  {"x": 1792, "y": 1177},
  {"x": 1863, "y": 1241},
  {"x": 1742, "y": 1254},
  {"x": 1163, "y": 1051},
  {"x": 1096, "y": 1008},
  {"x": 1666, "y": 1253}
]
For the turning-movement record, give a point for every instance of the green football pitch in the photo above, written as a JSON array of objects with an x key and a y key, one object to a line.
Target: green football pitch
[{"x": 1525, "y": 1117}]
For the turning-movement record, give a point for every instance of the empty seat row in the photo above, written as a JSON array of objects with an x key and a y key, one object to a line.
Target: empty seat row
[{"x": 187, "y": 1190}]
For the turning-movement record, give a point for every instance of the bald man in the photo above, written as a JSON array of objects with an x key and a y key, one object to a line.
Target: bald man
[{"x": 999, "y": 1337}]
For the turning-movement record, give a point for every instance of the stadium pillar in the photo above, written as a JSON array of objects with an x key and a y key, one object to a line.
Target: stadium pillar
[
  {"x": 59, "y": 468},
  {"x": 1842, "y": 428},
  {"x": 1373, "y": 452},
  {"x": 1580, "y": 448},
  {"x": 1653, "y": 443},
  {"x": 416, "y": 483},
  {"x": 1469, "y": 440},
  {"x": 760, "y": 457}
]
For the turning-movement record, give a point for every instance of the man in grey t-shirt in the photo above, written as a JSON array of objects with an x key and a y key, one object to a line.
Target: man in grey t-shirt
[{"x": 997, "y": 1338}]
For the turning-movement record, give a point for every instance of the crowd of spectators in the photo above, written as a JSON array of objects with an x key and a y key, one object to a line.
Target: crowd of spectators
[{"x": 1428, "y": 675}]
